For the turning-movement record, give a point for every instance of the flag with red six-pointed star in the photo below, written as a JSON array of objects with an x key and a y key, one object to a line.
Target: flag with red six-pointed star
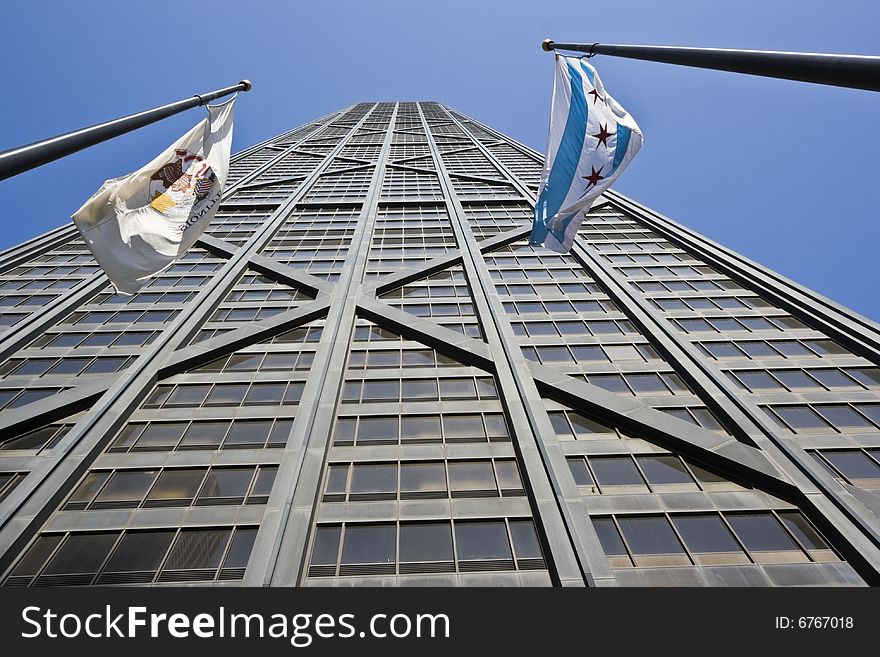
[{"x": 592, "y": 139}]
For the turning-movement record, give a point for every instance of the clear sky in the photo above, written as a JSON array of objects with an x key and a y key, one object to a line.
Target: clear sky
[{"x": 783, "y": 172}]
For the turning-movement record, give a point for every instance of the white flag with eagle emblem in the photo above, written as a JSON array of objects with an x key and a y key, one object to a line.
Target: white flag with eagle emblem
[
  {"x": 592, "y": 139},
  {"x": 140, "y": 224}
]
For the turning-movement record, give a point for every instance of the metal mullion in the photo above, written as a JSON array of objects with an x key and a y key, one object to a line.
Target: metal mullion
[
  {"x": 563, "y": 532},
  {"x": 100, "y": 422},
  {"x": 295, "y": 506}
]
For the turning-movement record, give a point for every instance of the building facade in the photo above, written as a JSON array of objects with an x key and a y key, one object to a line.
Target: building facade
[{"x": 363, "y": 374}]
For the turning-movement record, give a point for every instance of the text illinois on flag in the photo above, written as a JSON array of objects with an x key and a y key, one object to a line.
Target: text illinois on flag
[
  {"x": 592, "y": 139},
  {"x": 140, "y": 224}
]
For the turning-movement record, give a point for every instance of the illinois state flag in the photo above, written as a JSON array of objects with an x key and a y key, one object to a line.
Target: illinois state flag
[
  {"x": 139, "y": 224},
  {"x": 592, "y": 139}
]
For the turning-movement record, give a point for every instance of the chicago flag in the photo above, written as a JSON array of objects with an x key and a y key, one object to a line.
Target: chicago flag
[{"x": 592, "y": 139}]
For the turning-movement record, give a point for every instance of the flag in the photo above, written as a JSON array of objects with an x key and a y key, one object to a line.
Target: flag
[
  {"x": 140, "y": 224},
  {"x": 592, "y": 139}
]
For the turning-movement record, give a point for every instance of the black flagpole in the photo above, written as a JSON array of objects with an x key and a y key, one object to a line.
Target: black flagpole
[
  {"x": 853, "y": 71},
  {"x": 24, "y": 158}
]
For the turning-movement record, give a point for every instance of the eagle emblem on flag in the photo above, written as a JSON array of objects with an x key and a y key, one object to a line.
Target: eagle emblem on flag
[{"x": 181, "y": 185}]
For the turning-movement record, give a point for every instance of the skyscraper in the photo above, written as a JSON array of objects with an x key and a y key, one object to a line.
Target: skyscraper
[{"x": 363, "y": 374}]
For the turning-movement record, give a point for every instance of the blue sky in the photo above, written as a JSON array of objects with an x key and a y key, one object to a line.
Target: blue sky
[{"x": 783, "y": 172}]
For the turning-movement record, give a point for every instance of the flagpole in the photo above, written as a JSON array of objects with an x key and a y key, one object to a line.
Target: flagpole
[
  {"x": 18, "y": 160},
  {"x": 853, "y": 71}
]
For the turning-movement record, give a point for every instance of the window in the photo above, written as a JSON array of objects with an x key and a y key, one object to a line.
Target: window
[
  {"x": 665, "y": 472},
  {"x": 617, "y": 474},
  {"x": 482, "y": 542},
  {"x": 855, "y": 465},
  {"x": 135, "y": 556},
  {"x": 652, "y": 541},
  {"x": 368, "y": 545},
  {"x": 709, "y": 540},
  {"x": 175, "y": 487},
  {"x": 422, "y": 480},
  {"x": 765, "y": 538},
  {"x": 471, "y": 479},
  {"x": 426, "y": 547},
  {"x": 374, "y": 481}
]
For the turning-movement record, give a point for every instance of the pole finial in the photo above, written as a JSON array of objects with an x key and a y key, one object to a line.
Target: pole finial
[
  {"x": 547, "y": 44},
  {"x": 247, "y": 85}
]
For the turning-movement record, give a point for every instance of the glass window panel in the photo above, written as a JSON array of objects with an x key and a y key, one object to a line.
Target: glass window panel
[
  {"x": 585, "y": 426},
  {"x": 610, "y": 539},
  {"x": 647, "y": 535},
  {"x": 419, "y": 389},
  {"x": 204, "y": 435},
  {"x": 369, "y": 544},
  {"x": 463, "y": 426},
  {"x": 647, "y": 383},
  {"x": 795, "y": 379},
  {"x": 803, "y": 530},
  {"x": 868, "y": 376},
  {"x": 722, "y": 349},
  {"x": 240, "y": 549},
  {"x": 36, "y": 556},
  {"x": 128, "y": 486},
  {"x": 418, "y": 358},
  {"x": 188, "y": 395},
  {"x": 326, "y": 546},
  {"x": 664, "y": 470},
  {"x": 337, "y": 476},
  {"x": 760, "y": 349},
  {"x": 177, "y": 484},
  {"x": 197, "y": 548},
  {"x": 379, "y": 359},
  {"x": 381, "y": 391},
  {"x": 226, "y": 482},
  {"x": 840, "y": 415},
  {"x": 81, "y": 553},
  {"x": 139, "y": 551},
  {"x": 106, "y": 365},
  {"x": 758, "y": 380},
  {"x": 760, "y": 532},
  {"x": 161, "y": 435},
  {"x": 615, "y": 471},
  {"x": 791, "y": 348},
  {"x": 832, "y": 378},
  {"x": 458, "y": 389},
  {"x": 280, "y": 433},
  {"x": 471, "y": 476},
  {"x": 425, "y": 542},
  {"x": 705, "y": 533},
  {"x": 420, "y": 428},
  {"x": 381, "y": 429},
  {"x": 588, "y": 354},
  {"x": 422, "y": 478},
  {"x": 853, "y": 464},
  {"x": 580, "y": 471},
  {"x": 89, "y": 486},
  {"x": 482, "y": 540},
  {"x": 525, "y": 539},
  {"x": 508, "y": 475},
  {"x": 244, "y": 362},
  {"x": 265, "y": 393},
  {"x": 800, "y": 417},
  {"x": 373, "y": 478},
  {"x": 227, "y": 394},
  {"x": 610, "y": 382},
  {"x": 265, "y": 480}
]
